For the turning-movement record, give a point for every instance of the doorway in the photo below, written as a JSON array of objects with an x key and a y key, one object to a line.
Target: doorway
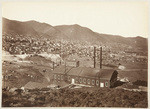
[
  {"x": 101, "y": 84},
  {"x": 73, "y": 81}
]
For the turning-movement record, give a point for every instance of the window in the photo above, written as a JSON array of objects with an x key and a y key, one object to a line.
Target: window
[
  {"x": 93, "y": 82},
  {"x": 106, "y": 84},
  {"x": 76, "y": 80},
  {"x": 97, "y": 82},
  {"x": 55, "y": 76},
  {"x": 80, "y": 80},
  {"x": 84, "y": 81},
  {"x": 62, "y": 77},
  {"x": 88, "y": 81},
  {"x": 58, "y": 77}
]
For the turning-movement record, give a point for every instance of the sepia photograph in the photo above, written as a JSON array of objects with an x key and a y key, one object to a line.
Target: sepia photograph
[{"x": 74, "y": 53}]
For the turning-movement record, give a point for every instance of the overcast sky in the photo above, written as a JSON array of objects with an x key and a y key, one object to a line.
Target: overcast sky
[{"x": 128, "y": 19}]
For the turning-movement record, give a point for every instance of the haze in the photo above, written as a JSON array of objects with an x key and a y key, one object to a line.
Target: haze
[{"x": 128, "y": 19}]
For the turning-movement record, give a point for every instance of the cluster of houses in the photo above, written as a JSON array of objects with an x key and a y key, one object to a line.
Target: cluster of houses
[
  {"x": 21, "y": 45},
  {"x": 71, "y": 71}
]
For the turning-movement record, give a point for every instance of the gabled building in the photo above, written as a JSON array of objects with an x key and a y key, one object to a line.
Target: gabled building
[
  {"x": 85, "y": 76},
  {"x": 71, "y": 72}
]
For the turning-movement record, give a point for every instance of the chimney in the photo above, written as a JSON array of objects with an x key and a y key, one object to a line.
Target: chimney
[
  {"x": 94, "y": 57},
  {"x": 60, "y": 53},
  {"x": 100, "y": 58}
]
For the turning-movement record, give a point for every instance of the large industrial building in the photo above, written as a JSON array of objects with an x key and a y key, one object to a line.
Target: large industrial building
[
  {"x": 85, "y": 75},
  {"x": 72, "y": 73}
]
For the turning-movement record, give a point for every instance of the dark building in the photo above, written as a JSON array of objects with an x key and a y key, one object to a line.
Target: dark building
[
  {"x": 71, "y": 72},
  {"x": 85, "y": 75}
]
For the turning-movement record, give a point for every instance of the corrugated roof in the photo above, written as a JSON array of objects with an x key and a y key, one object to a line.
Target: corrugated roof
[
  {"x": 85, "y": 72},
  {"x": 106, "y": 73}
]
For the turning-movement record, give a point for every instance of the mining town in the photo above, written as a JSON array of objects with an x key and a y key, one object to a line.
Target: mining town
[{"x": 71, "y": 66}]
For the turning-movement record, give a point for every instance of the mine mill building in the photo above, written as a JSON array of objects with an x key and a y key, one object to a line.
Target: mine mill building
[{"x": 72, "y": 73}]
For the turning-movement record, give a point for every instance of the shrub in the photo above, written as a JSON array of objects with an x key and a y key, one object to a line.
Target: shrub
[
  {"x": 78, "y": 98},
  {"x": 140, "y": 83}
]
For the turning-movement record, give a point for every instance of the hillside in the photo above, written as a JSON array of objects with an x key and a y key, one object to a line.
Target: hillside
[
  {"x": 44, "y": 30},
  {"x": 69, "y": 32},
  {"x": 66, "y": 97},
  {"x": 17, "y": 28},
  {"x": 77, "y": 32}
]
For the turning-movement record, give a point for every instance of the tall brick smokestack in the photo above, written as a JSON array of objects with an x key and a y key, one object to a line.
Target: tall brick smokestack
[
  {"x": 60, "y": 53},
  {"x": 100, "y": 58},
  {"x": 94, "y": 57}
]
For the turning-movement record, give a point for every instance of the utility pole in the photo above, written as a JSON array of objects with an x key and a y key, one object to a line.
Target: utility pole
[
  {"x": 53, "y": 65},
  {"x": 4, "y": 80},
  {"x": 65, "y": 66},
  {"x": 65, "y": 72}
]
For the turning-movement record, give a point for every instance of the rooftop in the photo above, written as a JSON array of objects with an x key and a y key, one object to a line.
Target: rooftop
[{"x": 85, "y": 72}]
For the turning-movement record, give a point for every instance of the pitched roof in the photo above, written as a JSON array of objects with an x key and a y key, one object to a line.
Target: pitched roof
[
  {"x": 34, "y": 85},
  {"x": 90, "y": 72},
  {"x": 85, "y": 72}
]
